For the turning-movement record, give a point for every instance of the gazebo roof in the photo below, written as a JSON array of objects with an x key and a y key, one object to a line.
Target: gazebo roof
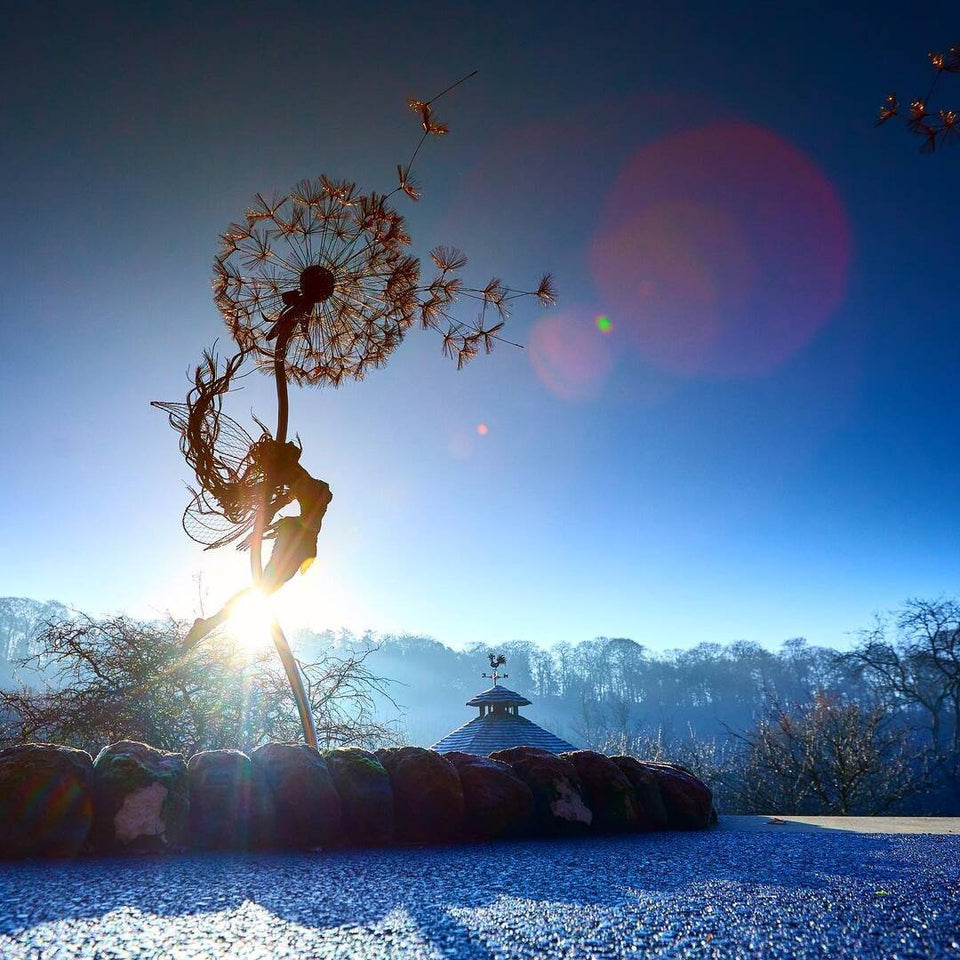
[
  {"x": 499, "y": 731},
  {"x": 499, "y": 725},
  {"x": 498, "y": 695}
]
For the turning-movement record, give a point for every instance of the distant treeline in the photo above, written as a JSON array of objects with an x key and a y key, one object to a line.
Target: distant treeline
[
  {"x": 802, "y": 729},
  {"x": 875, "y": 729}
]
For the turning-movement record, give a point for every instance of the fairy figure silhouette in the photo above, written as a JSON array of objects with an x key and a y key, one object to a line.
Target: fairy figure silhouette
[
  {"x": 236, "y": 475},
  {"x": 295, "y": 544}
]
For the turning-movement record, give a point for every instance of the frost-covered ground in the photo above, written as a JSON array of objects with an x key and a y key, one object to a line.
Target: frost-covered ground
[{"x": 723, "y": 893}]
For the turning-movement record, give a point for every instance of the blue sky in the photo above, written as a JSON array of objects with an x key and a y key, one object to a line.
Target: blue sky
[{"x": 765, "y": 444}]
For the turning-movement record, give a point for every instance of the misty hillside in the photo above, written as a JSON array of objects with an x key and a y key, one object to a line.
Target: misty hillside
[
  {"x": 20, "y": 619},
  {"x": 598, "y": 688},
  {"x": 584, "y": 693}
]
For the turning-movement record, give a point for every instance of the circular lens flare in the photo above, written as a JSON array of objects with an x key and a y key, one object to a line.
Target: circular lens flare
[
  {"x": 721, "y": 251},
  {"x": 568, "y": 357}
]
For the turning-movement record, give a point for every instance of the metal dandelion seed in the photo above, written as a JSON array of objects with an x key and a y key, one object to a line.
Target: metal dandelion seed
[{"x": 933, "y": 127}]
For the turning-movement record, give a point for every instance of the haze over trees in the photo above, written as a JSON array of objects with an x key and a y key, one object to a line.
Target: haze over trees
[{"x": 799, "y": 729}]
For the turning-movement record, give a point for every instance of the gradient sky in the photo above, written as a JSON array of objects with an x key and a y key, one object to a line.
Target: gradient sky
[{"x": 765, "y": 444}]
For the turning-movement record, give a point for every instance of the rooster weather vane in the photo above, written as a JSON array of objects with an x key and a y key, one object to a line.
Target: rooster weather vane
[
  {"x": 497, "y": 660},
  {"x": 316, "y": 287}
]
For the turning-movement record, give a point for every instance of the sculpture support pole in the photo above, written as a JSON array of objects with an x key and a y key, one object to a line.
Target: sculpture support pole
[
  {"x": 290, "y": 666},
  {"x": 296, "y": 683}
]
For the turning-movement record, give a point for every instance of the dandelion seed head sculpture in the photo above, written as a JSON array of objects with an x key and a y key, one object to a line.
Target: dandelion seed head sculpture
[
  {"x": 316, "y": 286},
  {"x": 324, "y": 271}
]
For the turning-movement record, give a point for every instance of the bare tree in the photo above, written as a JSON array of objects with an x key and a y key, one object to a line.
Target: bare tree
[
  {"x": 119, "y": 678},
  {"x": 918, "y": 669},
  {"x": 827, "y": 757}
]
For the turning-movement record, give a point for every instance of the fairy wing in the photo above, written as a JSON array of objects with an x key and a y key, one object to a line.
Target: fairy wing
[
  {"x": 205, "y": 523},
  {"x": 230, "y": 441},
  {"x": 204, "y": 520}
]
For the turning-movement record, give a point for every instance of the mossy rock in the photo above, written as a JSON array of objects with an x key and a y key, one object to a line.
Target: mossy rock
[
  {"x": 366, "y": 797},
  {"x": 141, "y": 798},
  {"x": 497, "y": 802},
  {"x": 652, "y": 814},
  {"x": 688, "y": 800},
  {"x": 427, "y": 794},
  {"x": 230, "y": 804},
  {"x": 559, "y": 804},
  {"x": 306, "y": 804},
  {"x": 607, "y": 791}
]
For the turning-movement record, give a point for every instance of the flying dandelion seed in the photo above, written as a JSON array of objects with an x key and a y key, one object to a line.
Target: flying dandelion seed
[{"x": 932, "y": 126}]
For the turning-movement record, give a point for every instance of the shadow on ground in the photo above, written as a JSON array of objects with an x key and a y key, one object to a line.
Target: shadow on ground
[{"x": 446, "y": 893}]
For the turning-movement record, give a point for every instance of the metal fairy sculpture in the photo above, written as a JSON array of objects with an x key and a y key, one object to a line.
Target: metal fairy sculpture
[
  {"x": 933, "y": 126},
  {"x": 316, "y": 287}
]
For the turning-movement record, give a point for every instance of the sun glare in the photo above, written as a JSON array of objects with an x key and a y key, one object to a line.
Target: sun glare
[{"x": 250, "y": 620}]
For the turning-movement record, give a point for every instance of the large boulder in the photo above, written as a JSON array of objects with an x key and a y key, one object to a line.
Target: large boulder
[
  {"x": 607, "y": 791},
  {"x": 365, "y": 794},
  {"x": 559, "y": 806},
  {"x": 497, "y": 802},
  {"x": 306, "y": 804},
  {"x": 688, "y": 799},
  {"x": 427, "y": 794},
  {"x": 230, "y": 805},
  {"x": 46, "y": 800},
  {"x": 651, "y": 812},
  {"x": 141, "y": 799}
]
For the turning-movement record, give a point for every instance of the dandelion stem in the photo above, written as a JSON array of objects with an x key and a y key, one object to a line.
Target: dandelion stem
[{"x": 280, "y": 375}]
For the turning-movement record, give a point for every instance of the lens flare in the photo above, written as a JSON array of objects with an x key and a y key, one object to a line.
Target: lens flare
[
  {"x": 722, "y": 251},
  {"x": 482, "y": 429},
  {"x": 568, "y": 357},
  {"x": 604, "y": 323},
  {"x": 53, "y": 809}
]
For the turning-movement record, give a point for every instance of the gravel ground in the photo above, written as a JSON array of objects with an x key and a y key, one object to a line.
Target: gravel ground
[{"x": 714, "y": 894}]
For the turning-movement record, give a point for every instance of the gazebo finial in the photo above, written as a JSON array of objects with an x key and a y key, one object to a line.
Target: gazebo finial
[{"x": 496, "y": 660}]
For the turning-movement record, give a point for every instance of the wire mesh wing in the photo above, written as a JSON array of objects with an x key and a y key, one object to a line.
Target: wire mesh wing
[
  {"x": 216, "y": 518},
  {"x": 205, "y": 523}
]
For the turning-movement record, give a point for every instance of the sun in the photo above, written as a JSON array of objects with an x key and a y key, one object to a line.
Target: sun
[{"x": 251, "y": 619}]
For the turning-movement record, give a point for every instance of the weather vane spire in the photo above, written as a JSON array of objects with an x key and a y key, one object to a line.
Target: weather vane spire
[{"x": 496, "y": 660}]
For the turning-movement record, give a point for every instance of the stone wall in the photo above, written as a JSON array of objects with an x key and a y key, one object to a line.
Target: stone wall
[{"x": 57, "y": 801}]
